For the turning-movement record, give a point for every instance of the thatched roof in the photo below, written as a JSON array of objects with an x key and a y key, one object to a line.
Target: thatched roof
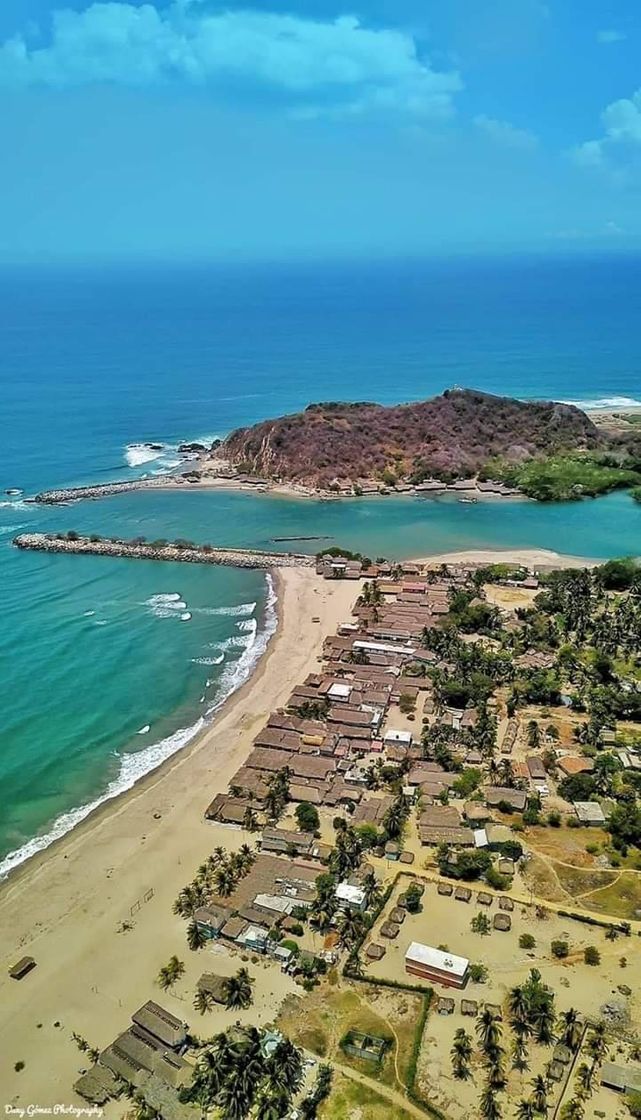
[{"x": 502, "y": 922}]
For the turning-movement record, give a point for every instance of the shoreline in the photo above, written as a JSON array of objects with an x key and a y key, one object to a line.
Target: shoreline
[
  {"x": 143, "y": 844},
  {"x": 189, "y": 736},
  {"x": 543, "y": 559},
  {"x": 119, "y": 870}
]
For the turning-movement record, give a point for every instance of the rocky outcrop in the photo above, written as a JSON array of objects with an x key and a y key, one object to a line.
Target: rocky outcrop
[
  {"x": 451, "y": 436},
  {"x": 183, "y": 552}
]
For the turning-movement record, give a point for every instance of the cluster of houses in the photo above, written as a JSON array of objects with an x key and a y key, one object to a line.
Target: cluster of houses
[{"x": 148, "y": 1055}]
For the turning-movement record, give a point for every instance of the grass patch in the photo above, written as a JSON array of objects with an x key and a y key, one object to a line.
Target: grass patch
[
  {"x": 350, "y": 1100},
  {"x": 565, "y": 477},
  {"x": 578, "y": 881},
  {"x": 620, "y": 900}
]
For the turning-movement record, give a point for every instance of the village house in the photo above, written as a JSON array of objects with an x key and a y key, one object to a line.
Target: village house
[
  {"x": 495, "y": 796},
  {"x": 436, "y": 966}
]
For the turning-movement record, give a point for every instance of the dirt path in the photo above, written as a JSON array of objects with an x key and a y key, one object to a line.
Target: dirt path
[{"x": 392, "y": 1095}]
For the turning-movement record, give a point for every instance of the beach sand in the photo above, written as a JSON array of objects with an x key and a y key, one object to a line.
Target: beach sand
[
  {"x": 539, "y": 558},
  {"x": 65, "y": 906}
]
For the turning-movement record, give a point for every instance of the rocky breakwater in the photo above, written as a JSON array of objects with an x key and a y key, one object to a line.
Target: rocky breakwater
[
  {"x": 183, "y": 552},
  {"x": 103, "y": 490}
]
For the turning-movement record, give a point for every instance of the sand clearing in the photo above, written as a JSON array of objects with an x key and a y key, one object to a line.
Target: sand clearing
[
  {"x": 538, "y": 558},
  {"x": 65, "y": 906}
]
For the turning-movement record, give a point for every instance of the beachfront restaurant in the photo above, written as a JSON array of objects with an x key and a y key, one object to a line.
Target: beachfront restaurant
[{"x": 436, "y": 966}]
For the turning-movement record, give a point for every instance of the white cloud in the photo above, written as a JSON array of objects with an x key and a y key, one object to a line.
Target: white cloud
[
  {"x": 610, "y": 36},
  {"x": 502, "y": 132},
  {"x": 620, "y": 144},
  {"x": 332, "y": 64}
]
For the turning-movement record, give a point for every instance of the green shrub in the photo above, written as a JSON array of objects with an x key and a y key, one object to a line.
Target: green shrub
[
  {"x": 293, "y": 945},
  {"x": 527, "y": 941},
  {"x": 560, "y": 949},
  {"x": 478, "y": 973},
  {"x": 591, "y": 955}
]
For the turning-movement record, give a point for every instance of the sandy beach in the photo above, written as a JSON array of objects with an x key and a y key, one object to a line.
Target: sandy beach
[
  {"x": 66, "y": 906},
  {"x": 127, "y": 862}
]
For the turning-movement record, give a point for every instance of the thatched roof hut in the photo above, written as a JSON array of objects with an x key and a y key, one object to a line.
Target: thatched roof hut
[
  {"x": 375, "y": 952},
  {"x": 390, "y": 929},
  {"x": 462, "y": 894},
  {"x": 502, "y": 922}
]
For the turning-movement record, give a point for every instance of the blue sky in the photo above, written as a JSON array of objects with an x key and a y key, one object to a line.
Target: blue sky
[{"x": 318, "y": 128}]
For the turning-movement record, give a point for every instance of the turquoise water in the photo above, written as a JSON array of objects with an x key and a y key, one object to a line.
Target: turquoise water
[{"x": 95, "y": 363}]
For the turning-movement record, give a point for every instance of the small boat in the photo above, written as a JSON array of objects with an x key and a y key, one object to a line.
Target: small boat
[
  {"x": 468, "y": 501},
  {"x": 14, "y": 492}
]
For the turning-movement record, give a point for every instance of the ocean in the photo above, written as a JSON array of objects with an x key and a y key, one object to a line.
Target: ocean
[{"x": 108, "y": 667}]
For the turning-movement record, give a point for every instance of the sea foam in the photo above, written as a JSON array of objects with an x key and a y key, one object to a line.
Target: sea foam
[
  {"x": 134, "y": 766},
  {"x": 605, "y": 403}
]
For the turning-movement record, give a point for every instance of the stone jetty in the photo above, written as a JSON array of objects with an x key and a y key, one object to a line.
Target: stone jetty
[
  {"x": 100, "y": 490},
  {"x": 183, "y": 552}
]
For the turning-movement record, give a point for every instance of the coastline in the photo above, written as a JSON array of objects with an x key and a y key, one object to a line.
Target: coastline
[
  {"x": 66, "y": 904},
  {"x": 94, "y": 908},
  {"x": 188, "y": 739}
]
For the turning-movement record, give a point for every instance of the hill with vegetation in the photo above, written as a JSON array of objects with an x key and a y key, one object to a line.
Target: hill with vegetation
[{"x": 547, "y": 449}]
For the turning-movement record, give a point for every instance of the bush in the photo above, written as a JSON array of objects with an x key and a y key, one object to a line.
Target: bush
[
  {"x": 591, "y": 955},
  {"x": 293, "y": 945},
  {"x": 478, "y": 973},
  {"x": 495, "y": 879},
  {"x": 554, "y": 819},
  {"x": 297, "y": 930},
  {"x": 527, "y": 941},
  {"x": 413, "y": 898},
  {"x": 307, "y": 817},
  {"x": 560, "y": 949},
  {"x": 633, "y": 1100}
]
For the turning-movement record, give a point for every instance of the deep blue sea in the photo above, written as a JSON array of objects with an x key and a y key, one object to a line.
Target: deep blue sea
[{"x": 102, "y": 675}]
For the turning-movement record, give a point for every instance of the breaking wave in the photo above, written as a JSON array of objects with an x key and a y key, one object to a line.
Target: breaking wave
[
  {"x": 593, "y": 404},
  {"x": 241, "y": 609}
]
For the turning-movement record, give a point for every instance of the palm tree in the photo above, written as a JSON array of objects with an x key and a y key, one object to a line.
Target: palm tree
[
  {"x": 573, "y": 1110},
  {"x": 584, "y": 1076},
  {"x": 203, "y": 1000},
  {"x": 189, "y": 900},
  {"x": 540, "y": 1094},
  {"x": 196, "y": 937},
  {"x": 496, "y": 1069},
  {"x": 250, "y": 820},
  {"x": 273, "y": 1106},
  {"x": 238, "y": 991},
  {"x": 525, "y": 1110},
  {"x": 597, "y": 1044},
  {"x": 519, "y": 1054},
  {"x": 461, "y": 1053},
  {"x": 285, "y": 1068},
  {"x": 214, "y": 1066},
  {"x": 542, "y": 1020},
  {"x": 321, "y": 914},
  {"x": 489, "y": 1106},
  {"x": 225, "y": 881},
  {"x": 350, "y": 926},
  {"x": 519, "y": 1008},
  {"x": 371, "y": 889},
  {"x": 569, "y": 1028},
  {"x": 488, "y": 1030}
]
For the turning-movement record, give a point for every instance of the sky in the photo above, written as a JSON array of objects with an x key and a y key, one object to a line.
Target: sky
[{"x": 285, "y": 129}]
